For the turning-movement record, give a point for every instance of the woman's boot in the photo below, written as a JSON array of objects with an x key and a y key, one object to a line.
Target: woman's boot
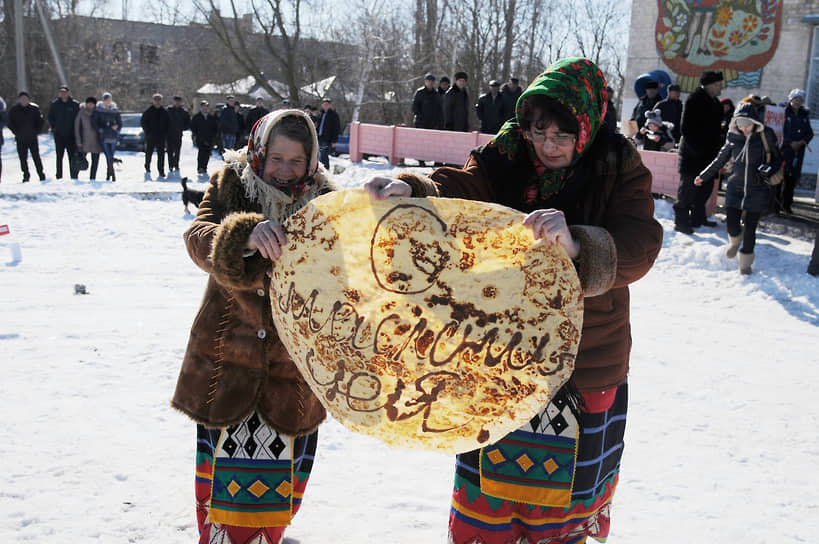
[
  {"x": 745, "y": 262},
  {"x": 733, "y": 245}
]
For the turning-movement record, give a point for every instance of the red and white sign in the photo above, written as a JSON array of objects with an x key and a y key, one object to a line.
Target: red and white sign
[
  {"x": 775, "y": 118},
  {"x": 4, "y": 229}
]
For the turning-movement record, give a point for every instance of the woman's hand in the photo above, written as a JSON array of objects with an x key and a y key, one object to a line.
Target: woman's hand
[
  {"x": 698, "y": 181},
  {"x": 380, "y": 187},
  {"x": 268, "y": 239},
  {"x": 550, "y": 225}
]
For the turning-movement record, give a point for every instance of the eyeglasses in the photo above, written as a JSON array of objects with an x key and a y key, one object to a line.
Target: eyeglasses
[{"x": 558, "y": 140}]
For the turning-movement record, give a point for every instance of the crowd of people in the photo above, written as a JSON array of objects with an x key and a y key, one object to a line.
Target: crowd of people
[
  {"x": 91, "y": 128},
  {"x": 715, "y": 140},
  {"x": 447, "y": 107}
]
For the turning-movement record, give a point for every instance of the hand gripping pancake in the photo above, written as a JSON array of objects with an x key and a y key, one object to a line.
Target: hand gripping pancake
[{"x": 429, "y": 323}]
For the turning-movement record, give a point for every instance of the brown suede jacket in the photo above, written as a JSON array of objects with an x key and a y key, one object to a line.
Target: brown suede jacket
[
  {"x": 619, "y": 241},
  {"x": 235, "y": 362}
]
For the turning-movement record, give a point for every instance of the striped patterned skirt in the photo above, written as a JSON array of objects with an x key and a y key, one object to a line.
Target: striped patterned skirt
[
  {"x": 250, "y": 480},
  {"x": 550, "y": 482}
]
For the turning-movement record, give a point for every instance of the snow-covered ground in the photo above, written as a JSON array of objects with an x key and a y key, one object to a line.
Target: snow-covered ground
[{"x": 722, "y": 442}]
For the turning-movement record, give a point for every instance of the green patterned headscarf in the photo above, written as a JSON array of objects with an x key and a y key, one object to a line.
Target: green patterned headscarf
[{"x": 578, "y": 84}]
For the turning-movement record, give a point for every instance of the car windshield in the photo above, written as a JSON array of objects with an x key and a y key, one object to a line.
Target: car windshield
[{"x": 130, "y": 120}]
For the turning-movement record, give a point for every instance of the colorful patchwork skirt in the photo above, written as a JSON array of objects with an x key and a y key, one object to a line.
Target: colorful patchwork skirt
[
  {"x": 250, "y": 480},
  {"x": 550, "y": 482}
]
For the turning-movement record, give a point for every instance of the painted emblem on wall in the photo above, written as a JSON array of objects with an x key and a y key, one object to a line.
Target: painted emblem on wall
[{"x": 738, "y": 37}]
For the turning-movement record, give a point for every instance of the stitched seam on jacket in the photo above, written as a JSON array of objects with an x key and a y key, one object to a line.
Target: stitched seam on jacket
[{"x": 220, "y": 346}]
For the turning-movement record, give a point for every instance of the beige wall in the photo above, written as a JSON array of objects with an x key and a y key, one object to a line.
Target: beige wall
[{"x": 787, "y": 69}]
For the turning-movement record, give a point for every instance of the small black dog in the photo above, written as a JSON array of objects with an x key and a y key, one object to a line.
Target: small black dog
[{"x": 190, "y": 196}]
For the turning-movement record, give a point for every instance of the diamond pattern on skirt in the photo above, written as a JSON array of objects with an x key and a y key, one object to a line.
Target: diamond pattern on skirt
[{"x": 252, "y": 440}]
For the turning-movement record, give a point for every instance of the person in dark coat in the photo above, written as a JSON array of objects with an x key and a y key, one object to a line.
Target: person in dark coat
[
  {"x": 62, "y": 112},
  {"x": 26, "y": 121},
  {"x": 155, "y": 124},
  {"x": 748, "y": 190},
  {"x": 426, "y": 105},
  {"x": 204, "y": 130},
  {"x": 490, "y": 109},
  {"x": 443, "y": 87},
  {"x": 647, "y": 102},
  {"x": 329, "y": 129},
  {"x": 796, "y": 135},
  {"x": 510, "y": 92},
  {"x": 456, "y": 105},
  {"x": 3, "y": 120},
  {"x": 671, "y": 109},
  {"x": 256, "y": 112},
  {"x": 179, "y": 120},
  {"x": 229, "y": 123},
  {"x": 610, "y": 119},
  {"x": 700, "y": 143}
]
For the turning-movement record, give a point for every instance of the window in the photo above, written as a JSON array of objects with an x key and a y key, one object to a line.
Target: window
[
  {"x": 120, "y": 52},
  {"x": 148, "y": 54}
]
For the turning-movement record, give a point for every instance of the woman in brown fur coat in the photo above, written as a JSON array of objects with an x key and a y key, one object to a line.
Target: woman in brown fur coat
[{"x": 257, "y": 418}]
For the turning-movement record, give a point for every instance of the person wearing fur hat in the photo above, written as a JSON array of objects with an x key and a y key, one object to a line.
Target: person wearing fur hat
[
  {"x": 585, "y": 188},
  {"x": 656, "y": 133},
  {"x": 796, "y": 135},
  {"x": 701, "y": 141},
  {"x": 748, "y": 190},
  {"x": 256, "y": 416}
]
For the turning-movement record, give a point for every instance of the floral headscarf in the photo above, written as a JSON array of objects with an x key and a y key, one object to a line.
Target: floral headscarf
[
  {"x": 257, "y": 151},
  {"x": 578, "y": 84}
]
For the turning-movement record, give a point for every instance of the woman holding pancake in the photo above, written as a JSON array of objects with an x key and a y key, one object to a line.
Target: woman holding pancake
[
  {"x": 256, "y": 416},
  {"x": 587, "y": 190}
]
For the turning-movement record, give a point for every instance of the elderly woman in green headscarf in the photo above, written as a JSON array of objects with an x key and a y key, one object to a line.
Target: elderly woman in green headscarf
[{"x": 584, "y": 187}]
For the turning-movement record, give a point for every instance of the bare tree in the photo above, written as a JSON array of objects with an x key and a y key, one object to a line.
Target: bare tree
[{"x": 280, "y": 25}]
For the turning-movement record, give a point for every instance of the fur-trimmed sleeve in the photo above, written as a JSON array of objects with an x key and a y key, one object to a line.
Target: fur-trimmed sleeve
[
  {"x": 230, "y": 267},
  {"x": 597, "y": 262}
]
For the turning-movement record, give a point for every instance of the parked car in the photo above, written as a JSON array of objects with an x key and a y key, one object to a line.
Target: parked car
[
  {"x": 343, "y": 143},
  {"x": 131, "y": 137}
]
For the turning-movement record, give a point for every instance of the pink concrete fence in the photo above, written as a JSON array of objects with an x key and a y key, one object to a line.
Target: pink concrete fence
[{"x": 398, "y": 143}]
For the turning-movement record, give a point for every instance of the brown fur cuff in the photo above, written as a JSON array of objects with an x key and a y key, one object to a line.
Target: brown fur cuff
[
  {"x": 230, "y": 267},
  {"x": 421, "y": 185},
  {"x": 597, "y": 262}
]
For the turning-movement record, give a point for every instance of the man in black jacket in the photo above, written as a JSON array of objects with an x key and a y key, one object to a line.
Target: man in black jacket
[
  {"x": 700, "y": 144},
  {"x": 510, "y": 92},
  {"x": 329, "y": 130},
  {"x": 179, "y": 120},
  {"x": 26, "y": 121},
  {"x": 61, "y": 115},
  {"x": 426, "y": 105},
  {"x": 672, "y": 108},
  {"x": 456, "y": 105},
  {"x": 155, "y": 124},
  {"x": 490, "y": 109},
  {"x": 204, "y": 130},
  {"x": 256, "y": 112}
]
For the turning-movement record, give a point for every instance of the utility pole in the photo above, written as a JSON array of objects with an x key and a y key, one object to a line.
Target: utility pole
[
  {"x": 51, "y": 45},
  {"x": 19, "y": 46}
]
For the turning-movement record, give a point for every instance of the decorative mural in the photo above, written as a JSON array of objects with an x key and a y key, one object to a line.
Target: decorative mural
[{"x": 738, "y": 37}]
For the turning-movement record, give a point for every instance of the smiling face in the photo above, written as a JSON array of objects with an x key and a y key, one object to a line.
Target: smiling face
[{"x": 286, "y": 161}]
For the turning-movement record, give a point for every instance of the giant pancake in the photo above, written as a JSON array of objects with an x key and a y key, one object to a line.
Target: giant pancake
[{"x": 428, "y": 323}]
